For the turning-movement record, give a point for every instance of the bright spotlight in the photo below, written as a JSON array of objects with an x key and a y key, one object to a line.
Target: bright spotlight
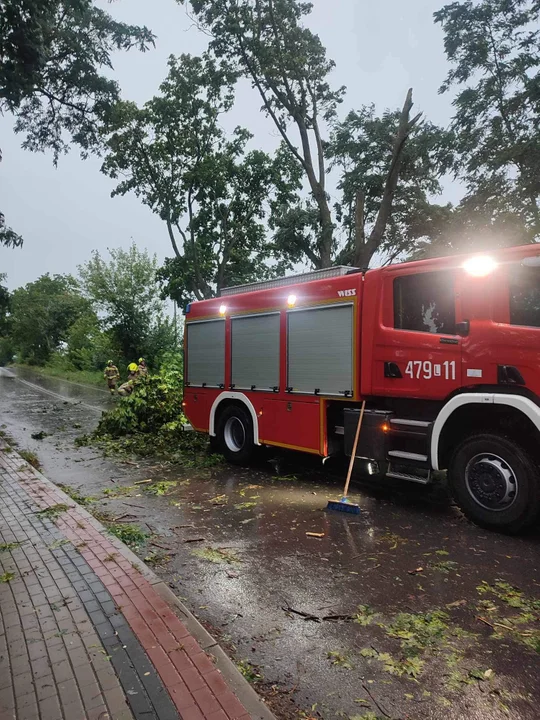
[
  {"x": 291, "y": 300},
  {"x": 479, "y": 266},
  {"x": 222, "y": 309}
]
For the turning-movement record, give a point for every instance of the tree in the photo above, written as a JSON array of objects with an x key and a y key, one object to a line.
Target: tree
[
  {"x": 5, "y": 302},
  {"x": 125, "y": 292},
  {"x": 493, "y": 48},
  {"x": 8, "y": 236},
  {"x": 6, "y": 345},
  {"x": 88, "y": 348},
  {"x": 212, "y": 194},
  {"x": 53, "y": 54},
  {"x": 287, "y": 64},
  {"x": 361, "y": 147},
  {"x": 42, "y": 313}
]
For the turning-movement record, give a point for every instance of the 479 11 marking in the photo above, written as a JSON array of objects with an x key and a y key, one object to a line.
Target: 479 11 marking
[{"x": 427, "y": 370}]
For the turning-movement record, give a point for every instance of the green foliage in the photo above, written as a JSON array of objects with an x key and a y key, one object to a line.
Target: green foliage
[
  {"x": 30, "y": 457},
  {"x": 521, "y": 625},
  {"x": 245, "y": 505},
  {"x": 9, "y": 546},
  {"x": 53, "y": 512},
  {"x": 214, "y": 197},
  {"x": 130, "y": 535},
  {"x": 42, "y": 313},
  {"x": 157, "y": 559},
  {"x": 216, "y": 555},
  {"x": 154, "y": 406},
  {"x": 419, "y": 632},
  {"x": 361, "y": 147},
  {"x": 268, "y": 44},
  {"x": 492, "y": 46},
  {"x": 337, "y": 658},
  {"x": 5, "y": 303},
  {"x": 411, "y": 666},
  {"x": 7, "y": 577},
  {"x": 124, "y": 289},
  {"x": 249, "y": 671},
  {"x": 149, "y": 422},
  {"x": 88, "y": 347},
  {"x": 55, "y": 58},
  {"x": 163, "y": 487},
  {"x": 7, "y": 350},
  {"x": 365, "y": 615},
  {"x": 60, "y": 366},
  {"x": 76, "y": 496}
]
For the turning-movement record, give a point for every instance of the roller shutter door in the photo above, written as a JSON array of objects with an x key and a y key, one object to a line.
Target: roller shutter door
[
  {"x": 320, "y": 350},
  {"x": 255, "y": 352},
  {"x": 206, "y": 353}
]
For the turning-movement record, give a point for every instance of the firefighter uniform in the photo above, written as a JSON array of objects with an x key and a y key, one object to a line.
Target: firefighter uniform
[
  {"x": 111, "y": 375},
  {"x": 133, "y": 374},
  {"x": 143, "y": 368}
]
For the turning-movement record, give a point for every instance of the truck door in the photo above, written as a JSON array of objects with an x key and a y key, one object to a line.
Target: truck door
[
  {"x": 503, "y": 310},
  {"x": 417, "y": 352}
]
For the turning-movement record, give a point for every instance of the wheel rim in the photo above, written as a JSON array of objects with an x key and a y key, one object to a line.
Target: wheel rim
[
  {"x": 491, "y": 482},
  {"x": 235, "y": 434}
]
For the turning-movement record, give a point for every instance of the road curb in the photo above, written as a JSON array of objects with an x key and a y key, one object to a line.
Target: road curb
[{"x": 249, "y": 698}]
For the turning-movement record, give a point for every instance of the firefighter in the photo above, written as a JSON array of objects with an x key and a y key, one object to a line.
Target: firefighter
[
  {"x": 143, "y": 368},
  {"x": 111, "y": 375},
  {"x": 127, "y": 387}
]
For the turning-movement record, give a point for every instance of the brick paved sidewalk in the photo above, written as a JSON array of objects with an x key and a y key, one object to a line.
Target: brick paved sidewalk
[{"x": 83, "y": 632}]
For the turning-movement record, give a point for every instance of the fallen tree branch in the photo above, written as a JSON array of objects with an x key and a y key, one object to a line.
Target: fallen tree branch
[{"x": 375, "y": 702}]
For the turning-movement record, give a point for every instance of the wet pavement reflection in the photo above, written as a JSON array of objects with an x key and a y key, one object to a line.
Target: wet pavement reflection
[{"x": 405, "y": 611}]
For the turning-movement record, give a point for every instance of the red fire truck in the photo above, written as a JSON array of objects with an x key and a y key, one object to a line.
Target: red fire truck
[{"x": 445, "y": 352}]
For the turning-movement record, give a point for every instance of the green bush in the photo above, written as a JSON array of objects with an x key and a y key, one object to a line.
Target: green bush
[{"x": 154, "y": 406}]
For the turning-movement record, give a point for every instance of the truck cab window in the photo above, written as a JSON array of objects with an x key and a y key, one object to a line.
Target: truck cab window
[
  {"x": 525, "y": 296},
  {"x": 425, "y": 303}
]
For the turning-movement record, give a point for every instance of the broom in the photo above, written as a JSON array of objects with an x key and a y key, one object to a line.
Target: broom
[{"x": 344, "y": 505}]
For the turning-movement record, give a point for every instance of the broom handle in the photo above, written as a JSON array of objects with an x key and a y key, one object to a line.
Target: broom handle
[{"x": 356, "y": 438}]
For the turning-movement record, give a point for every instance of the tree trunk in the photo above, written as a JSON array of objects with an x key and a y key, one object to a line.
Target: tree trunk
[
  {"x": 327, "y": 233},
  {"x": 365, "y": 250}
]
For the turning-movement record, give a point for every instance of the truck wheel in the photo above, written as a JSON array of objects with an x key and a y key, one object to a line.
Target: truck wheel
[
  {"x": 495, "y": 483},
  {"x": 235, "y": 435}
]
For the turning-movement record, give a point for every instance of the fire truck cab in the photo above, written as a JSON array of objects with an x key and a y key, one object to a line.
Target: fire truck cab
[{"x": 445, "y": 353}]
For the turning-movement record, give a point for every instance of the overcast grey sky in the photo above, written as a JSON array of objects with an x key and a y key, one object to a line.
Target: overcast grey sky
[{"x": 380, "y": 48}]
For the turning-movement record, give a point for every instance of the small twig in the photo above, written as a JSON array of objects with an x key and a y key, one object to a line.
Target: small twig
[
  {"x": 306, "y": 616},
  {"x": 377, "y": 705},
  {"x": 190, "y": 540},
  {"x": 125, "y": 515},
  {"x": 486, "y": 622},
  {"x": 163, "y": 547}
]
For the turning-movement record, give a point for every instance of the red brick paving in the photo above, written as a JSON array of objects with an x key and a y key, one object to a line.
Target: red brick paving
[{"x": 197, "y": 689}]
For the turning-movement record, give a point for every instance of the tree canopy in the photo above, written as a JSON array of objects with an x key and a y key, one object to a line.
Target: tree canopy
[
  {"x": 41, "y": 314},
  {"x": 125, "y": 292},
  {"x": 213, "y": 194},
  {"x": 267, "y": 42},
  {"x": 54, "y": 58},
  {"x": 492, "y": 46}
]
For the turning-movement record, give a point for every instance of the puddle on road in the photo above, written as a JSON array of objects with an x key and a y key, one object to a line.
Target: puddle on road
[{"x": 381, "y": 612}]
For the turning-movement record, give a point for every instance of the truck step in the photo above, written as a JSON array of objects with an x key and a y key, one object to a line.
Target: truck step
[
  {"x": 416, "y": 475},
  {"x": 410, "y": 423},
  {"x": 402, "y": 455}
]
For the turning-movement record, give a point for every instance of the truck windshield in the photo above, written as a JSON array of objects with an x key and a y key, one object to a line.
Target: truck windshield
[{"x": 525, "y": 296}]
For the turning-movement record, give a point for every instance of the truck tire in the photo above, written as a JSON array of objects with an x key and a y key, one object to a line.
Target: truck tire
[
  {"x": 235, "y": 435},
  {"x": 495, "y": 483}
]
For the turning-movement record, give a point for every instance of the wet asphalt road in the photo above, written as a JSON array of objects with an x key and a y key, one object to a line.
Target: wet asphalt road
[{"x": 283, "y": 602}]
